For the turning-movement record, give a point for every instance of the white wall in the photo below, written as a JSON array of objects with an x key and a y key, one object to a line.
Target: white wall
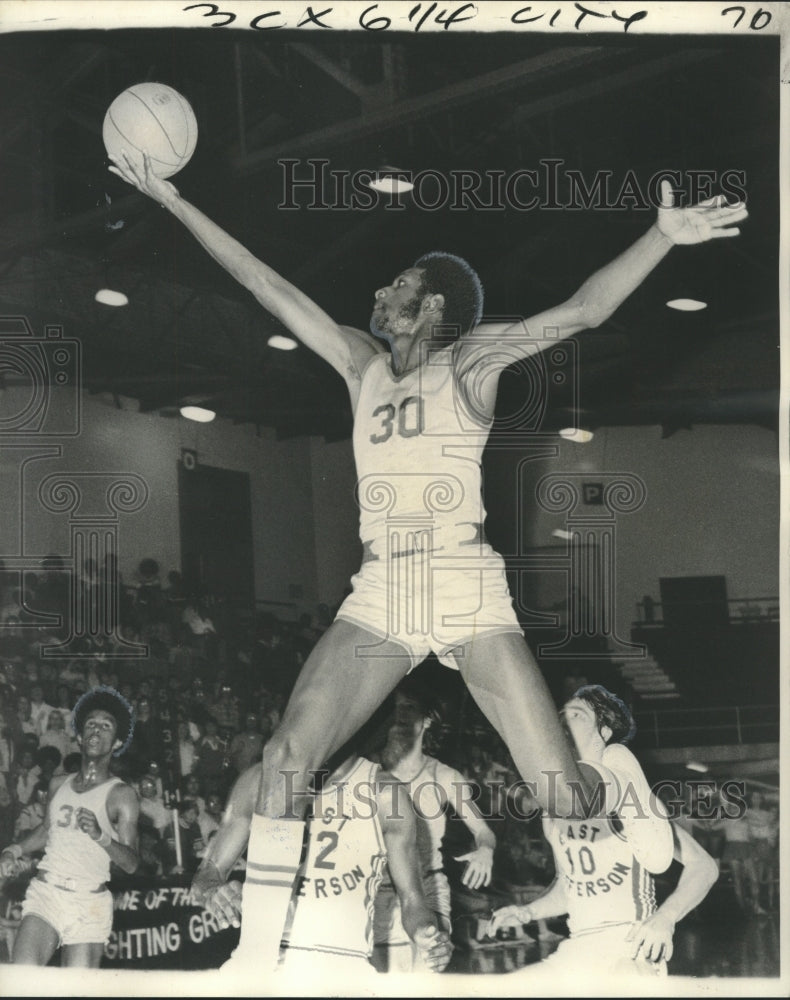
[
  {"x": 122, "y": 440},
  {"x": 712, "y": 507}
]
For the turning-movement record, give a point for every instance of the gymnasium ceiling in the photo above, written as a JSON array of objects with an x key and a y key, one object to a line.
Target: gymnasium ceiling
[{"x": 444, "y": 102}]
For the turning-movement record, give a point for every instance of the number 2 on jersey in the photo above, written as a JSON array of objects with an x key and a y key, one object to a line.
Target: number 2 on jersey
[
  {"x": 409, "y": 419},
  {"x": 323, "y": 854}
]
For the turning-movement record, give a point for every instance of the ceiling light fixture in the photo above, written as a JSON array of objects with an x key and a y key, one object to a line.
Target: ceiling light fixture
[
  {"x": 694, "y": 765},
  {"x": 577, "y": 434},
  {"x": 391, "y": 180},
  {"x": 199, "y": 413},
  {"x": 281, "y": 343},
  {"x": 109, "y": 297},
  {"x": 687, "y": 305},
  {"x": 566, "y": 536}
]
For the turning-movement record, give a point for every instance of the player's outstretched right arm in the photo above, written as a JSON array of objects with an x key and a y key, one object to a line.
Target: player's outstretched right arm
[
  {"x": 209, "y": 886},
  {"x": 399, "y": 829},
  {"x": 347, "y": 351}
]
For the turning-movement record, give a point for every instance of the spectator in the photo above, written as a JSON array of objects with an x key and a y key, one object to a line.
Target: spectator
[
  {"x": 6, "y": 811},
  {"x": 763, "y": 831},
  {"x": 152, "y": 809},
  {"x": 6, "y": 747},
  {"x": 32, "y": 815},
  {"x": 64, "y": 699},
  {"x": 192, "y": 789},
  {"x": 226, "y": 709},
  {"x": 55, "y": 735},
  {"x": 246, "y": 747},
  {"x": 49, "y": 759},
  {"x": 212, "y": 751},
  {"x": 210, "y": 817},
  {"x": 176, "y": 602},
  {"x": 39, "y": 709},
  {"x": 192, "y": 846},
  {"x": 147, "y": 744},
  {"x": 738, "y": 857},
  {"x": 24, "y": 776},
  {"x": 25, "y": 723},
  {"x": 149, "y": 604},
  {"x": 154, "y": 772},
  {"x": 150, "y": 851},
  {"x": 187, "y": 750}
]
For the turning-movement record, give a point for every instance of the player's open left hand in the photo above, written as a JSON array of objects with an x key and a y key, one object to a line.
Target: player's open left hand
[
  {"x": 87, "y": 822},
  {"x": 711, "y": 219},
  {"x": 653, "y": 938},
  {"x": 434, "y": 947},
  {"x": 478, "y": 868},
  {"x": 144, "y": 179}
]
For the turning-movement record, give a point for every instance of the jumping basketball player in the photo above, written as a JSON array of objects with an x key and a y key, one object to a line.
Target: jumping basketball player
[
  {"x": 422, "y": 414},
  {"x": 91, "y": 820},
  {"x": 605, "y": 866},
  {"x": 361, "y": 818},
  {"x": 432, "y": 786}
]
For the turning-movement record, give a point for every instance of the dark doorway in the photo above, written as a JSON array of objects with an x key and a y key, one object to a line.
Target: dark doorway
[{"x": 216, "y": 532}]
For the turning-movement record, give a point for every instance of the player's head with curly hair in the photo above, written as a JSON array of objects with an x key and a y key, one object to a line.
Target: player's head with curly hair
[
  {"x": 610, "y": 711},
  {"x": 457, "y": 282},
  {"x": 106, "y": 699}
]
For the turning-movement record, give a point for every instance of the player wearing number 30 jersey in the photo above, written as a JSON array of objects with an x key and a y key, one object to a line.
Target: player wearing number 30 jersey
[{"x": 428, "y": 580}]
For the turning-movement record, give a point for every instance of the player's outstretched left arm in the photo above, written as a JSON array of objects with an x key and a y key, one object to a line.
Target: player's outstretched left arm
[
  {"x": 604, "y": 291},
  {"x": 399, "y": 828},
  {"x": 209, "y": 886},
  {"x": 653, "y": 937},
  {"x": 347, "y": 350}
]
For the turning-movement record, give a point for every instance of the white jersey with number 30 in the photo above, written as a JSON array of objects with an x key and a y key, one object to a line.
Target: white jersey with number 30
[{"x": 417, "y": 445}]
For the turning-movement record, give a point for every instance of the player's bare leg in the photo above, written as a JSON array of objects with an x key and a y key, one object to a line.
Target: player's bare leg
[
  {"x": 505, "y": 681},
  {"x": 83, "y": 956},
  {"x": 348, "y": 674},
  {"x": 36, "y": 941}
]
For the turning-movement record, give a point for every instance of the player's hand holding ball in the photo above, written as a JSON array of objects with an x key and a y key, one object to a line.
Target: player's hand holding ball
[{"x": 142, "y": 177}]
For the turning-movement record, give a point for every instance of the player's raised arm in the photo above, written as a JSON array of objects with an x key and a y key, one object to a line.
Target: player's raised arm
[
  {"x": 347, "y": 351},
  {"x": 399, "y": 828},
  {"x": 604, "y": 291}
]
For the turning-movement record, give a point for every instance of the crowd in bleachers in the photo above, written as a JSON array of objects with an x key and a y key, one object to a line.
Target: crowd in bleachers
[{"x": 207, "y": 694}]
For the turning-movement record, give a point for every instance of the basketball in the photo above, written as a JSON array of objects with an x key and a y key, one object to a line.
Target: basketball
[{"x": 155, "y": 119}]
